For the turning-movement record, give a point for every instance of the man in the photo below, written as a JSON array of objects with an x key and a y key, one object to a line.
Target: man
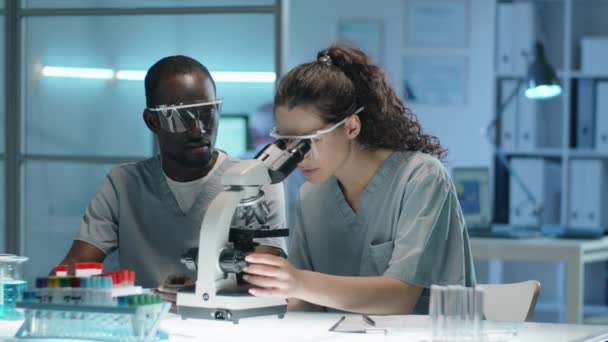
[{"x": 151, "y": 211}]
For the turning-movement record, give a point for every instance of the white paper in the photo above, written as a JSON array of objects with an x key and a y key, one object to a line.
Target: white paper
[
  {"x": 436, "y": 23},
  {"x": 435, "y": 80}
]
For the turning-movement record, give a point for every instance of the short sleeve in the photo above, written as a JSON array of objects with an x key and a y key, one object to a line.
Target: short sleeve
[
  {"x": 299, "y": 255},
  {"x": 275, "y": 198},
  {"x": 99, "y": 225},
  {"x": 431, "y": 245}
]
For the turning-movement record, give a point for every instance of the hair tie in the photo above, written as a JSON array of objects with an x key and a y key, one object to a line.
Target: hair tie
[{"x": 325, "y": 59}]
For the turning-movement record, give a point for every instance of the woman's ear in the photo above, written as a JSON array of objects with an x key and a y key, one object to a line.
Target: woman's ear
[
  {"x": 151, "y": 121},
  {"x": 353, "y": 127}
]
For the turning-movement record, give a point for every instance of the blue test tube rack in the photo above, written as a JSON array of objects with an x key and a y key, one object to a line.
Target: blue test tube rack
[{"x": 93, "y": 322}]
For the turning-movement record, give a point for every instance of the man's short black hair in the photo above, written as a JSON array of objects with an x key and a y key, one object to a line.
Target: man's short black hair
[{"x": 169, "y": 66}]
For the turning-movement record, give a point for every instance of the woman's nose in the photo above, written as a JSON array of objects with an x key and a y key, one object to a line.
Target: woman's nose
[{"x": 307, "y": 156}]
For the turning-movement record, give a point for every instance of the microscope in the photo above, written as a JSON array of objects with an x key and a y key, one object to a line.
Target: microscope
[{"x": 234, "y": 218}]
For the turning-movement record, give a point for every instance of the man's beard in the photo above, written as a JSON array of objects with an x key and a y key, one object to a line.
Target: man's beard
[{"x": 197, "y": 160}]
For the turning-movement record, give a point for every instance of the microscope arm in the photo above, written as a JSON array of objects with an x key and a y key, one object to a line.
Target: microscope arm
[
  {"x": 213, "y": 238},
  {"x": 243, "y": 180}
]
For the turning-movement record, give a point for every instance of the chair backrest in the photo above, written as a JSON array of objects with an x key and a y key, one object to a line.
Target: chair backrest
[{"x": 510, "y": 302}]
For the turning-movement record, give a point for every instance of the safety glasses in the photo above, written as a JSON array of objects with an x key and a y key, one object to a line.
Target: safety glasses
[
  {"x": 313, "y": 137},
  {"x": 184, "y": 117}
]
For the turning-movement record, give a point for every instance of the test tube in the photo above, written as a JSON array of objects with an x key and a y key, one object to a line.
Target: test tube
[
  {"x": 469, "y": 296},
  {"x": 436, "y": 312},
  {"x": 41, "y": 285},
  {"x": 88, "y": 269},
  {"x": 460, "y": 310},
  {"x": 61, "y": 270},
  {"x": 52, "y": 285},
  {"x": 433, "y": 306},
  {"x": 131, "y": 278},
  {"x": 450, "y": 311},
  {"x": 478, "y": 312}
]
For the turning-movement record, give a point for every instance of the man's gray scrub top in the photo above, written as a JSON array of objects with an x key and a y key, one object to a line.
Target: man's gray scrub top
[
  {"x": 135, "y": 212},
  {"x": 410, "y": 227}
]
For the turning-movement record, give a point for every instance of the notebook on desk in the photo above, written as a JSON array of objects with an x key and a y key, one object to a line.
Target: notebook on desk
[{"x": 362, "y": 324}]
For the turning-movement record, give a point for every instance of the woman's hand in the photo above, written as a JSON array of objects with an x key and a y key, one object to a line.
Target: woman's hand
[{"x": 273, "y": 276}]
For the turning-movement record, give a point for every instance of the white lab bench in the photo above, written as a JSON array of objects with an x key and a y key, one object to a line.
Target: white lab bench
[
  {"x": 574, "y": 253},
  {"x": 304, "y": 327}
]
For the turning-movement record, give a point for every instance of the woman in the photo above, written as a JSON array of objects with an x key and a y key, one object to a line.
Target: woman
[{"x": 378, "y": 221}]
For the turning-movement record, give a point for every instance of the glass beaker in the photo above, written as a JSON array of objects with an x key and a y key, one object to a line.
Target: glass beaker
[{"x": 12, "y": 285}]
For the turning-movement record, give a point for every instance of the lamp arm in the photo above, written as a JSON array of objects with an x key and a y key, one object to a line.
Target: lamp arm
[
  {"x": 501, "y": 108},
  {"x": 505, "y": 162}
]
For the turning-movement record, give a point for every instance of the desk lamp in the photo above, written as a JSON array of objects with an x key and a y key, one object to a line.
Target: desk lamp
[{"x": 541, "y": 84}]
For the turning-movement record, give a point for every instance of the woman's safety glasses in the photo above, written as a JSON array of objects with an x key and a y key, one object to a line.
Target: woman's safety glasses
[
  {"x": 313, "y": 137},
  {"x": 181, "y": 118}
]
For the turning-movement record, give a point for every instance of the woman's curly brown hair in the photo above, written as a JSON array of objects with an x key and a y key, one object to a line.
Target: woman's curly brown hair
[{"x": 337, "y": 86}]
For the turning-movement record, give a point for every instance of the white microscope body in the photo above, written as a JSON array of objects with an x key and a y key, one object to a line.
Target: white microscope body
[{"x": 218, "y": 294}]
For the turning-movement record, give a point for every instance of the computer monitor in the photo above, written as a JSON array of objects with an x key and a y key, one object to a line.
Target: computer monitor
[
  {"x": 473, "y": 189},
  {"x": 233, "y": 135}
]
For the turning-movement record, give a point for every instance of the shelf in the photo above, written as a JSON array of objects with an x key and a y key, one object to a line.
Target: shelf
[
  {"x": 585, "y": 153},
  {"x": 573, "y": 74},
  {"x": 560, "y": 25},
  {"x": 541, "y": 152},
  {"x": 509, "y": 75},
  {"x": 581, "y": 74}
]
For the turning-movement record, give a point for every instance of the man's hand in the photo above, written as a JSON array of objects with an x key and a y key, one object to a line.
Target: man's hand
[
  {"x": 81, "y": 252},
  {"x": 274, "y": 276},
  {"x": 178, "y": 280},
  {"x": 172, "y": 284}
]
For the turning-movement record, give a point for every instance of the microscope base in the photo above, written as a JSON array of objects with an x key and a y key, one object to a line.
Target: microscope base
[{"x": 230, "y": 315}]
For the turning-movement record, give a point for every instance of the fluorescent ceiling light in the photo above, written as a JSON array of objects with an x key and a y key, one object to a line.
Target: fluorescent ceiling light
[
  {"x": 243, "y": 76},
  {"x": 131, "y": 75},
  {"x": 95, "y": 73},
  {"x": 139, "y": 75}
]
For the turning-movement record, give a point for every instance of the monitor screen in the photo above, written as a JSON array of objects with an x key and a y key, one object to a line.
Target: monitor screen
[
  {"x": 472, "y": 188},
  {"x": 469, "y": 197},
  {"x": 233, "y": 134}
]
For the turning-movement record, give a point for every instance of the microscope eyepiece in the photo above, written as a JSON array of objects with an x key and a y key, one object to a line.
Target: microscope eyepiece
[{"x": 282, "y": 157}]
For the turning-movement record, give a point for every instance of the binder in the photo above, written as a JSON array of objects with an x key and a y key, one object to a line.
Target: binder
[
  {"x": 542, "y": 178},
  {"x": 528, "y": 123},
  {"x": 549, "y": 121},
  {"x": 501, "y": 192},
  {"x": 593, "y": 55},
  {"x": 508, "y": 120},
  {"x": 585, "y": 114},
  {"x": 601, "y": 116},
  {"x": 552, "y": 192},
  {"x": 504, "y": 44},
  {"x": 521, "y": 210},
  {"x": 524, "y": 35},
  {"x": 588, "y": 193}
]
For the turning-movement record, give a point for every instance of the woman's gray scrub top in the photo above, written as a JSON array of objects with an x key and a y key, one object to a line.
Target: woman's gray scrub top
[{"x": 410, "y": 227}]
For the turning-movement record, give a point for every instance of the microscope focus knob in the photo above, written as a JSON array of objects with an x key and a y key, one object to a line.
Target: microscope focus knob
[{"x": 232, "y": 261}]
